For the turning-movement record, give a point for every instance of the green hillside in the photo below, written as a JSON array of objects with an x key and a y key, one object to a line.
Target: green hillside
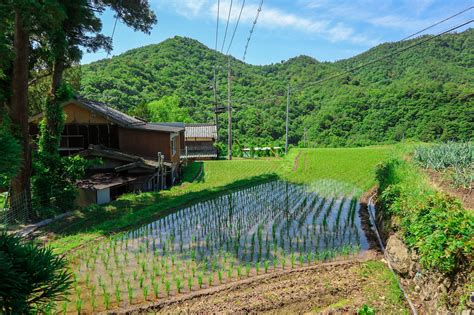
[{"x": 425, "y": 93}]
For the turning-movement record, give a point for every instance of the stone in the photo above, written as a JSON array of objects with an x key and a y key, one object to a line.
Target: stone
[{"x": 398, "y": 254}]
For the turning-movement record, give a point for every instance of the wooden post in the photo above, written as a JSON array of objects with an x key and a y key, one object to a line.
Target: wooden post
[
  {"x": 229, "y": 109},
  {"x": 214, "y": 87},
  {"x": 287, "y": 118}
]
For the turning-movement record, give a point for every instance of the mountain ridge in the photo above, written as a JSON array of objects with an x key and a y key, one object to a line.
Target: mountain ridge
[{"x": 385, "y": 102}]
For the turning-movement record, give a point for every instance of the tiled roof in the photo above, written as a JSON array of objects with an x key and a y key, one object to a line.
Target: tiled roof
[{"x": 200, "y": 131}]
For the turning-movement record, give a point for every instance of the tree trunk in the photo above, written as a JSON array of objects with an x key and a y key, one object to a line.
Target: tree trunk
[
  {"x": 54, "y": 101},
  {"x": 21, "y": 195}
]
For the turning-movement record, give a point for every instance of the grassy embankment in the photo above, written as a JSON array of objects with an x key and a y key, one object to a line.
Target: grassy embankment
[
  {"x": 355, "y": 166},
  {"x": 431, "y": 223}
]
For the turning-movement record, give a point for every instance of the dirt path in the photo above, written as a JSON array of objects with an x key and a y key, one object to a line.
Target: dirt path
[
  {"x": 296, "y": 162},
  {"x": 338, "y": 286}
]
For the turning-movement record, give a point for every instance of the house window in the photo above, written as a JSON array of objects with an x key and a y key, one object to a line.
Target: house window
[{"x": 173, "y": 146}]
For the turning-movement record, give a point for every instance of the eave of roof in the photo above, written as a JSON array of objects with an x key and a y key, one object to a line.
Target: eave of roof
[{"x": 118, "y": 117}]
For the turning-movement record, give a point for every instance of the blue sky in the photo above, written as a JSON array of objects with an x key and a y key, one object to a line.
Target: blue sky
[{"x": 324, "y": 29}]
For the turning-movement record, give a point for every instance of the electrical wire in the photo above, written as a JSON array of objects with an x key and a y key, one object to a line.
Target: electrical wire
[
  {"x": 113, "y": 32},
  {"x": 384, "y": 57},
  {"x": 226, "y": 26},
  {"x": 217, "y": 24},
  {"x": 235, "y": 28},
  {"x": 252, "y": 29},
  {"x": 437, "y": 23}
]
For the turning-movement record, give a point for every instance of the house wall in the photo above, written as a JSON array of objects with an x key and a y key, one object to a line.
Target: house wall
[
  {"x": 85, "y": 197},
  {"x": 103, "y": 196},
  {"x": 76, "y": 114},
  {"x": 148, "y": 143}
]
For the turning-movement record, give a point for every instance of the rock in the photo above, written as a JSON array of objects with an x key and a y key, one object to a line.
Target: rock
[{"x": 398, "y": 254}]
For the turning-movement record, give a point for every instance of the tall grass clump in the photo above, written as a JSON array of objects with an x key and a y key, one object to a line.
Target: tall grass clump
[{"x": 455, "y": 158}]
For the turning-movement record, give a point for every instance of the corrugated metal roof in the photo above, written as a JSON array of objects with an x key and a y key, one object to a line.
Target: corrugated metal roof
[
  {"x": 200, "y": 131},
  {"x": 119, "y": 117}
]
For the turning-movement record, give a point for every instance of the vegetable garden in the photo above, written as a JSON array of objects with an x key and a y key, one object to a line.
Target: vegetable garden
[{"x": 261, "y": 229}]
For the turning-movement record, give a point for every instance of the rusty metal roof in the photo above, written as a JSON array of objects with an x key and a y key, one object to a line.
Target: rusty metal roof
[
  {"x": 118, "y": 117},
  {"x": 200, "y": 131}
]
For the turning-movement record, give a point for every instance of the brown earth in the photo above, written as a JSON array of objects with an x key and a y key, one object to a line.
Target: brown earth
[
  {"x": 337, "y": 287},
  {"x": 444, "y": 183}
]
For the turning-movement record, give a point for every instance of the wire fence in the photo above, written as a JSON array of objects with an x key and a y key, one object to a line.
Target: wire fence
[{"x": 26, "y": 207}]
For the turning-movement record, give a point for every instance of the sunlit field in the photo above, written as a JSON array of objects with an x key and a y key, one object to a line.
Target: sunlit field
[{"x": 261, "y": 229}]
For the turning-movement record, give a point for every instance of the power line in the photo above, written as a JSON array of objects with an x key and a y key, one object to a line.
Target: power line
[
  {"x": 217, "y": 24},
  {"x": 385, "y": 56},
  {"x": 113, "y": 32},
  {"x": 226, "y": 26},
  {"x": 236, "y": 25},
  {"x": 437, "y": 23},
  {"x": 262, "y": 100},
  {"x": 252, "y": 29}
]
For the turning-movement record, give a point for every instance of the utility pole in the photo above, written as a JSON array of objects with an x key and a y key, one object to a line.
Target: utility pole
[
  {"x": 229, "y": 109},
  {"x": 214, "y": 87},
  {"x": 287, "y": 118}
]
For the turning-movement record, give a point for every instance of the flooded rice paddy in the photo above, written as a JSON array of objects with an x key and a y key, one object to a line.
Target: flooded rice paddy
[{"x": 261, "y": 229}]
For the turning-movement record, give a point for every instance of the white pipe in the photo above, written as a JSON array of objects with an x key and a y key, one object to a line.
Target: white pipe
[{"x": 370, "y": 205}]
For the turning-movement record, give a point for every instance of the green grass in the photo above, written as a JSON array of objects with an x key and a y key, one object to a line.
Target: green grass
[
  {"x": 355, "y": 166},
  {"x": 2, "y": 199},
  {"x": 382, "y": 291}
]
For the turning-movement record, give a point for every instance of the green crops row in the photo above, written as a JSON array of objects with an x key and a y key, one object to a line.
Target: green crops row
[{"x": 456, "y": 158}]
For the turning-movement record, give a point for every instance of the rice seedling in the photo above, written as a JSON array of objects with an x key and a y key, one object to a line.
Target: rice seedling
[
  {"x": 167, "y": 287},
  {"x": 79, "y": 305},
  {"x": 240, "y": 234},
  {"x": 106, "y": 300},
  {"x": 145, "y": 292}
]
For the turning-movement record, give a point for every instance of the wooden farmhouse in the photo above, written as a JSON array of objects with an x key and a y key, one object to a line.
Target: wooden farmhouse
[{"x": 134, "y": 155}]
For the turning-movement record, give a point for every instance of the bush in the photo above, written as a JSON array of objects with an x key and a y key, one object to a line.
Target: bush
[
  {"x": 432, "y": 223},
  {"x": 31, "y": 277},
  {"x": 10, "y": 154}
]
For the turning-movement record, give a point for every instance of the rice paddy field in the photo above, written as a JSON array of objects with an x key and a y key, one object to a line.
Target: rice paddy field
[
  {"x": 261, "y": 229},
  {"x": 235, "y": 220}
]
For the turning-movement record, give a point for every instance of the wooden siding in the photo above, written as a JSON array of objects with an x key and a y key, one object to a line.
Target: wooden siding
[
  {"x": 148, "y": 144},
  {"x": 75, "y": 114}
]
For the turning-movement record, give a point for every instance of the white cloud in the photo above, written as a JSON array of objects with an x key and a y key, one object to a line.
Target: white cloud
[
  {"x": 398, "y": 22},
  {"x": 271, "y": 18},
  {"x": 187, "y": 8}
]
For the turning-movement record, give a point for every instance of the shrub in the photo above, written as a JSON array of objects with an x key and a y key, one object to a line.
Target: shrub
[
  {"x": 432, "y": 223},
  {"x": 31, "y": 277}
]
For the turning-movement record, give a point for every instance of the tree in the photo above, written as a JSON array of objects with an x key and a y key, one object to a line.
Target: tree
[
  {"x": 28, "y": 17},
  {"x": 166, "y": 109},
  {"x": 31, "y": 277}
]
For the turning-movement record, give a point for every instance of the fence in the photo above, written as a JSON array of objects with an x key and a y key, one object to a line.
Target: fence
[
  {"x": 28, "y": 207},
  {"x": 14, "y": 210}
]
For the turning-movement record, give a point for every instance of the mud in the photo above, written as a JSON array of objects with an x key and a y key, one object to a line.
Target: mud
[{"x": 337, "y": 286}]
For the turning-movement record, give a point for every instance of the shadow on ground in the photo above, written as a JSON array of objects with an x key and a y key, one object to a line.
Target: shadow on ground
[{"x": 135, "y": 210}]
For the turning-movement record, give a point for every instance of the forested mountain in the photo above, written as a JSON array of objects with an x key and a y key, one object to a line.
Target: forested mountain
[{"x": 424, "y": 93}]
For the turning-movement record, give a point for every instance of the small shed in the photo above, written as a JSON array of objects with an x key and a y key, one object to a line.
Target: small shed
[{"x": 200, "y": 141}]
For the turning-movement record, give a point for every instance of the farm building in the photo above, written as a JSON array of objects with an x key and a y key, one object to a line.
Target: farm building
[
  {"x": 200, "y": 140},
  {"x": 135, "y": 155}
]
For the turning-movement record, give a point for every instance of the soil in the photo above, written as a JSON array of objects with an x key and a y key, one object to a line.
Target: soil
[
  {"x": 297, "y": 162},
  {"x": 338, "y": 287},
  {"x": 441, "y": 181}
]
